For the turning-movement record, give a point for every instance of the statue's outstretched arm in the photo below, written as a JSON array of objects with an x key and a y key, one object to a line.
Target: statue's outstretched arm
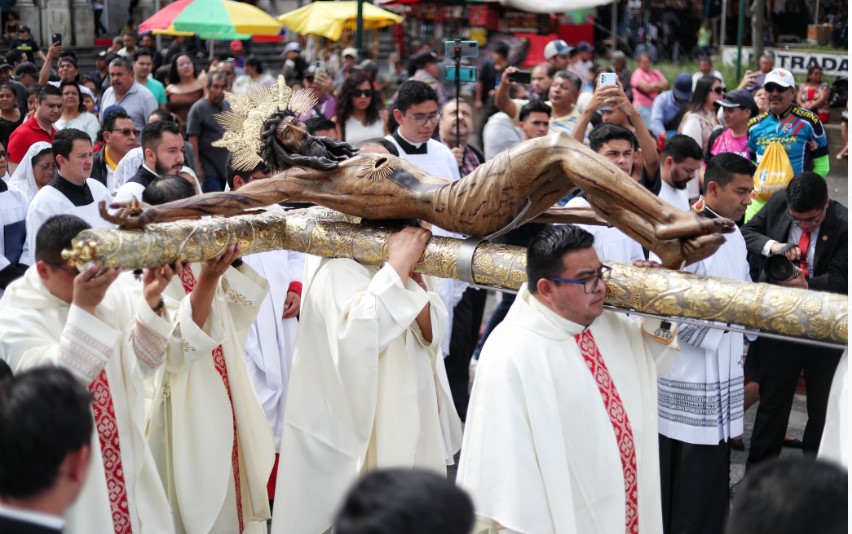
[{"x": 255, "y": 194}]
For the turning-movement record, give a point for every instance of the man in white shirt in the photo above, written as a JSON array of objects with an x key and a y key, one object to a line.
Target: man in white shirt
[
  {"x": 701, "y": 397},
  {"x": 71, "y": 191},
  {"x": 679, "y": 164},
  {"x": 45, "y": 433},
  {"x": 163, "y": 149},
  {"x": 705, "y": 68}
]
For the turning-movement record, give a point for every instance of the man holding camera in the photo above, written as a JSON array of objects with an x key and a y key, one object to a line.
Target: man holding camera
[{"x": 811, "y": 230}]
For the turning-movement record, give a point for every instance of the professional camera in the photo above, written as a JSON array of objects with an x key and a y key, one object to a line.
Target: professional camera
[{"x": 778, "y": 267}]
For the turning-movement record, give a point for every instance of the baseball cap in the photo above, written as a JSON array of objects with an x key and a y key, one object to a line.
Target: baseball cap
[
  {"x": 103, "y": 53},
  {"x": 424, "y": 58},
  {"x": 739, "y": 98},
  {"x": 235, "y": 45},
  {"x": 683, "y": 87},
  {"x": 23, "y": 28},
  {"x": 4, "y": 63},
  {"x": 26, "y": 68},
  {"x": 584, "y": 47},
  {"x": 293, "y": 47},
  {"x": 353, "y": 52},
  {"x": 112, "y": 109},
  {"x": 556, "y": 47},
  {"x": 782, "y": 77}
]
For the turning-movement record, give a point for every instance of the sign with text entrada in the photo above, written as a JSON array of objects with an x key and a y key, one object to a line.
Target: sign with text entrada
[{"x": 796, "y": 61}]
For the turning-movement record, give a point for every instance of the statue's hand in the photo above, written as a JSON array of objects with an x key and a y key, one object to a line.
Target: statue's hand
[{"x": 127, "y": 214}]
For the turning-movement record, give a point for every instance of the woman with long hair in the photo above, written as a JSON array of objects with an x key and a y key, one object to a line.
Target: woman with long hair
[
  {"x": 10, "y": 115},
  {"x": 184, "y": 88},
  {"x": 360, "y": 115},
  {"x": 814, "y": 93},
  {"x": 74, "y": 114},
  {"x": 700, "y": 119}
]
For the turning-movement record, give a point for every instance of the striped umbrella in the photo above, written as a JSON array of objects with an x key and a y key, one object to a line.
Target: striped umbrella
[{"x": 218, "y": 19}]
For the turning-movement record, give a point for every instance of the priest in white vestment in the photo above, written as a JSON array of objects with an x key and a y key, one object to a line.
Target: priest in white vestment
[
  {"x": 368, "y": 388},
  {"x": 701, "y": 397},
  {"x": 110, "y": 342},
  {"x": 561, "y": 434},
  {"x": 207, "y": 430}
]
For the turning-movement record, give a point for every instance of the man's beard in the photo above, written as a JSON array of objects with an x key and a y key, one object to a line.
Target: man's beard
[{"x": 162, "y": 170}]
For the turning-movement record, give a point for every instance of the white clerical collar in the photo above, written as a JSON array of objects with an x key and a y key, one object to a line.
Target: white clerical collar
[
  {"x": 412, "y": 143},
  {"x": 563, "y": 324},
  {"x": 30, "y": 516},
  {"x": 149, "y": 170}
]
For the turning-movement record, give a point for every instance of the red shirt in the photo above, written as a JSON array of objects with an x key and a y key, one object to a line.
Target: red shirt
[{"x": 23, "y": 138}]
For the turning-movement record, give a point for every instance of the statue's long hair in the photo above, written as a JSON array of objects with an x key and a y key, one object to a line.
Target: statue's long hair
[{"x": 320, "y": 153}]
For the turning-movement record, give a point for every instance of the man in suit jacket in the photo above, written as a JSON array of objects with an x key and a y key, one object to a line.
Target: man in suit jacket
[
  {"x": 816, "y": 227},
  {"x": 45, "y": 435}
]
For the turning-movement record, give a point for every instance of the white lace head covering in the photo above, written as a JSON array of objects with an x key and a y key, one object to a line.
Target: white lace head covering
[
  {"x": 127, "y": 167},
  {"x": 23, "y": 179}
]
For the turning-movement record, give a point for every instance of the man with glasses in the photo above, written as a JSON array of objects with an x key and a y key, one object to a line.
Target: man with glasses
[
  {"x": 812, "y": 231},
  {"x": 418, "y": 115},
  {"x": 799, "y": 130},
  {"x": 119, "y": 139},
  {"x": 701, "y": 397},
  {"x": 71, "y": 192},
  {"x": 562, "y": 433}
]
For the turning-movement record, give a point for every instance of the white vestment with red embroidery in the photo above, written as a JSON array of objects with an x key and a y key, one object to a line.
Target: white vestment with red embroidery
[
  {"x": 543, "y": 443},
  {"x": 195, "y": 413},
  {"x": 123, "y": 342}
]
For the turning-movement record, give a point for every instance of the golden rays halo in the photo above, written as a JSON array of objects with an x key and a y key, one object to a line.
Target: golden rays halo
[{"x": 243, "y": 124}]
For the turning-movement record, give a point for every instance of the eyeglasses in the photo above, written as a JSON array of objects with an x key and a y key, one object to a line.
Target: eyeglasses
[
  {"x": 590, "y": 283},
  {"x": 125, "y": 131},
  {"x": 420, "y": 119},
  {"x": 185, "y": 64},
  {"x": 46, "y": 167},
  {"x": 808, "y": 221},
  {"x": 719, "y": 90},
  {"x": 774, "y": 88},
  {"x": 362, "y": 94}
]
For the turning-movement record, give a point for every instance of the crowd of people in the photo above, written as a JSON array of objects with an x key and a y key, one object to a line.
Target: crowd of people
[{"x": 242, "y": 389}]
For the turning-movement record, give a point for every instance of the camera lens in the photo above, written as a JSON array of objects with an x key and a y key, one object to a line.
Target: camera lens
[{"x": 779, "y": 268}]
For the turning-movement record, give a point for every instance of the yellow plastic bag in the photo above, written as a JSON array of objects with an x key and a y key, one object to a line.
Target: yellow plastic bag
[{"x": 774, "y": 172}]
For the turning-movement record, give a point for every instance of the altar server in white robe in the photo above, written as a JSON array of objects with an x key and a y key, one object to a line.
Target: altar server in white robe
[
  {"x": 561, "y": 433},
  {"x": 71, "y": 191},
  {"x": 368, "y": 388},
  {"x": 110, "y": 341},
  {"x": 207, "y": 430},
  {"x": 272, "y": 336},
  {"x": 701, "y": 397}
]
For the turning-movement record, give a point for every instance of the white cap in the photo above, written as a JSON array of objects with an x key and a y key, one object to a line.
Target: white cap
[
  {"x": 557, "y": 47},
  {"x": 293, "y": 47},
  {"x": 782, "y": 77},
  {"x": 350, "y": 52}
]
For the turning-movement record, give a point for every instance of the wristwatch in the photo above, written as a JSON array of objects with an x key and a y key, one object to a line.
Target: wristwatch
[{"x": 159, "y": 307}]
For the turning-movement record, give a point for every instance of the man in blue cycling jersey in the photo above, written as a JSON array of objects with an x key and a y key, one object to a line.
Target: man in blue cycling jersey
[{"x": 799, "y": 130}]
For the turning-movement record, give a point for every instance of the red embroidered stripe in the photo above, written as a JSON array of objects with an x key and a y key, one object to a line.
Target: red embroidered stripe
[
  {"x": 620, "y": 424},
  {"x": 188, "y": 280},
  {"x": 104, "y": 412}
]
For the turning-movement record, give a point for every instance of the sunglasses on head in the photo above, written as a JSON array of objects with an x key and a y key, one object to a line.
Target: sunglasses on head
[{"x": 361, "y": 93}]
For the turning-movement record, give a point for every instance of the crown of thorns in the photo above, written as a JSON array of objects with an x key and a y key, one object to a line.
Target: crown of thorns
[{"x": 253, "y": 120}]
